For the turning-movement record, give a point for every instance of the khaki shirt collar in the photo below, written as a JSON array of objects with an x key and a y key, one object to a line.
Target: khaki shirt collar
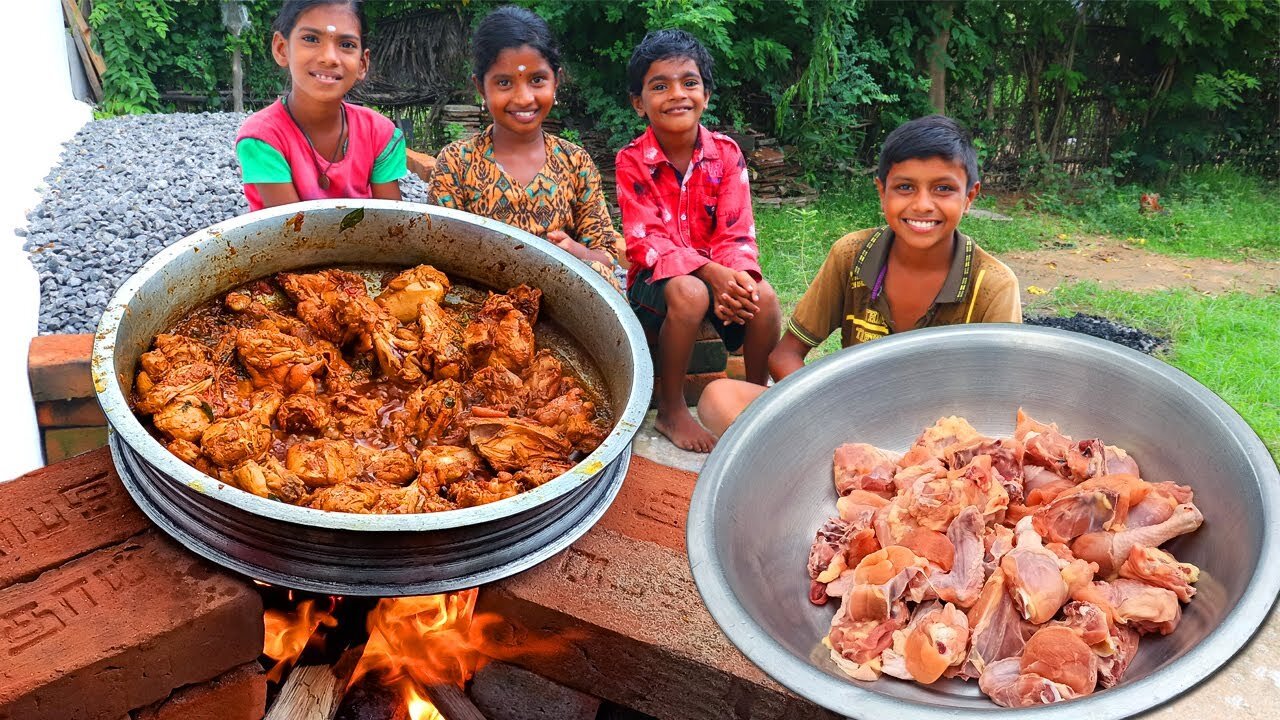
[{"x": 871, "y": 261}]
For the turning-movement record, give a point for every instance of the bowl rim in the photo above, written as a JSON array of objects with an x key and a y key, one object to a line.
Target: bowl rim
[
  {"x": 121, "y": 419},
  {"x": 844, "y": 696}
]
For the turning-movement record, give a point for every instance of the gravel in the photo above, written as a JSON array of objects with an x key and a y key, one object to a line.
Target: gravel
[
  {"x": 125, "y": 189},
  {"x": 1101, "y": 327}
]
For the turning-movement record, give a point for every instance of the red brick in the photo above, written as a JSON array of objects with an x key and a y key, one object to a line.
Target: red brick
[
  {"x": 622, "y": 603},
  {"x": 736, "y": 367},
  {"x": 58, "y": 367},
  {"x": 61, "y": 512},
  {"x": 506, "y": 692},
  {"x": 63, "y": 443},
  {"x": 119, "y": 629},
  {"x": 420, "y": 164},
  {"x": 240, "y": 694},
  {"x": 77, "y": 412}
]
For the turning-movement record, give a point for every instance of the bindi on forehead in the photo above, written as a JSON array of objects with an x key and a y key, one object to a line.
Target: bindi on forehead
[{"x": 331, "y": 29}]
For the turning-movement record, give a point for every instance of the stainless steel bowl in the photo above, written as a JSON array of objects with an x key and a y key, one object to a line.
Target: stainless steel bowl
[
  {"x": 767, "y": 487},
  {"x": 378, "y": 555}
]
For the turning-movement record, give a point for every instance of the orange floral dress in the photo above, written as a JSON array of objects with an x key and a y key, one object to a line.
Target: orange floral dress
[{"x": 565, "y": 195}]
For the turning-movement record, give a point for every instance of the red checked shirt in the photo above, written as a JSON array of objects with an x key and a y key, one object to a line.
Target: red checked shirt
[{"x": 674, "y": 227}]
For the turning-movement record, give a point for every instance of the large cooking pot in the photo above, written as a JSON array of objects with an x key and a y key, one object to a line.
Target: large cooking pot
[
  {"x": 348, "y": 554},
  {"x": 766, "y": 488}
]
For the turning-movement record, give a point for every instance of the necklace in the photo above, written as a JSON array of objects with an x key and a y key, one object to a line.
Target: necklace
[{"x": 341, "y": 148}]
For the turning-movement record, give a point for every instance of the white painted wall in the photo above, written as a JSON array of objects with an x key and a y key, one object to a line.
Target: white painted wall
[{"x": 40, "y": 114}]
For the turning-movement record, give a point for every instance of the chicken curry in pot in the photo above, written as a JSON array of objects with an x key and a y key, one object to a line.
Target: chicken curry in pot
[{"x": 369, "y": 390}]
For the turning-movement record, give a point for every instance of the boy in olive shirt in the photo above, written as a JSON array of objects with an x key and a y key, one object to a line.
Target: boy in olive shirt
[{"x": 916, "y": 271}]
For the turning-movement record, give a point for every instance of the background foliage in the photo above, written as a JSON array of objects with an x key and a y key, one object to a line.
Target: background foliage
[{"x": 1057, "y": 91}]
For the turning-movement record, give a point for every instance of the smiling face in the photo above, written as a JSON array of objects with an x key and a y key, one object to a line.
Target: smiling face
[
  {"x": 323, "y": 53},
  {"x": 924, "y": 199},
  {"x": 519, "y": 89},
  {"x": 673, "y": 96}
]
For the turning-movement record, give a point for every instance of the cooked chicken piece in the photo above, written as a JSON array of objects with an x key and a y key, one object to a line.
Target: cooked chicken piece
[
  {"x": 442, "y": 465},
  {"x": 406, "y": 291},
  {"x": 396, "y": 348},
  {"x": 935, "y": 440},
  {"x": 269, "y": 479},
  {"x": 499, "y": 335},
  {"x": 544, "y": 378},
  {"x": 231, "y": 441},
  {"x": 274, "y": 359},
  {"x": 300, "y": 414},
  {"x": 155, "y": 392},
  {"x": 541, "y": 473},
  {"x": 497, "y": 388},
  {"x": 441, "y": 343},
  {"x": 429, "y": 411},
  {"x": 189, "y": 453},
  {"x": 1143, "y": 607},
  {"x": 469, "y": 493},
  {"x": 185, "y": 418},
  {"x": 319, "y": 298},
  {"x": 173, "y": 351},
  {"x": 856, "y": 645},
  {"x": 264, "y": 318},
  {"x": 998, "y": 629},
  {"x": 350, "y": 497},
  {"x": 962, "y": 584},
  {"x": 514, "y": 443},
  {"x": 859, "y": 466},
  {"x": 936, "y": 641},
  {"x": 1157, "y": 567},
  {"x": 321, "y": 463},
  {"x": 1008, "y": 686},
  {"x": 1111, "y": 668},
  {"x": 392, "y": 466},
  {"x": 354, "y": 415},
  {"x": 1110, "y": 549},
  {"x": 527, "y": 300},
  {"x": 573, "y": 416},
  {"x": 1034, "y": 576}
]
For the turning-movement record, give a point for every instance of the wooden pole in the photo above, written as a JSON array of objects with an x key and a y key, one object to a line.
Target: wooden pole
[
  {"x": 80, "y": 37},
  {"x": 313, "y": 692},
  {"x": 453, "y": 703}
]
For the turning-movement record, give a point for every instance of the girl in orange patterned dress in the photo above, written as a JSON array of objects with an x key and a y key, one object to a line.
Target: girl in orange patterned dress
[{"x": 514, "y": 171}]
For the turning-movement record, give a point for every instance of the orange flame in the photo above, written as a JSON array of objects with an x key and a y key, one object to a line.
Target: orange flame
[
  {"x": 287, "y": 634},
  {"x": 419, "y": 707},
  {"x": 429, "y": 639}
]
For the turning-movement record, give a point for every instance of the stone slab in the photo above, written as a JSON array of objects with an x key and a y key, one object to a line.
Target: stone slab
[{"x": 507, "y": 692}]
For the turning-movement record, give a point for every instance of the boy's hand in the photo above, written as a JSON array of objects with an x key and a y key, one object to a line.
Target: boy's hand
[
  {"x": 741, "y": 300},
  {"x": 732, "y": 302}
]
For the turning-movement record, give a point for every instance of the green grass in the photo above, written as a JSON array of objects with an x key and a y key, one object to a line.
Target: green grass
[{"x": 1229, "y": 343}]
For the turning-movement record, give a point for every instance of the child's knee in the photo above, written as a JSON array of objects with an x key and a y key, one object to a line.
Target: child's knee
[{"x": 687, "y": 297}]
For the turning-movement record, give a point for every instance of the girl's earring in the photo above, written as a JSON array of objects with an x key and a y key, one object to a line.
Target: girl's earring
[
  {"x": 555, "y": 100},
  {"x": 482, "y": 109}
]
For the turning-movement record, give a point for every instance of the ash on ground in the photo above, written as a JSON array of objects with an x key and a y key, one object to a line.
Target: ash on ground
[
  {"x": 1101, "y": 327},
  {"x": 124, "y": 189}
]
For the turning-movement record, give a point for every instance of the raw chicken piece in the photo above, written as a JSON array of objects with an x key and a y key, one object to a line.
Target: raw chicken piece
[
  {"x": 905, "y": 478},
  {"x": 856, "y": 645},
  {"x": 1143, "y": 607},
  {"x": 1157, "y": 567},
  {"x": 859, "y": 507},
  {"x": 1089, "y": 622},
  {"x": 500, "y": 335},
  {"x": 303, "y": 414},
  {"x": 406, "y": 291},
  {"x": 826, "y": 555},
  {"x": 936, "y": 642},
  {"x": 513, "y": 443},
  {"x": 441, "y": 342},
  {"x": 1087, "y": 459},
  {"x": 1119, "y": 462},
  {"x": 1123, "y": 645},
  {"x": 1073, "y": 514},
  {"x": 573, "y": 416},
  {"x": 1041, "y": 485},
  {"x": 859, "y": 466},
  {"x": 1042, "y": 445},
  {"x": 935, "y": 440},
  {"x": 1158, "y": 505},
  {"x": 997, "y": 541},
  {"x": 963, "y": 584},
  {"x": 1008, "y": 686},
  {"x": 1060, "y": 655},
  {"x": 932, "y": 546},
  {"x": 324, "y": 462},
  {"x": 998, "y": 630},
  {"x": 231, "y": 441},
  {"x": 934, "y": 501},
  {"x": 893, "y": 521},
  {"x": 274, "y": 359},
  {"x": 1006, "y": 459},
  {"x": 1110, "y": 549},
  {"x": 1035, "y": 580},
  {"x": 442, "y": 465}
]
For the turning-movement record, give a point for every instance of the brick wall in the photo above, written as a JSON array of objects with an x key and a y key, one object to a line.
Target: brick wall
[{"x": 67, "y": 409}]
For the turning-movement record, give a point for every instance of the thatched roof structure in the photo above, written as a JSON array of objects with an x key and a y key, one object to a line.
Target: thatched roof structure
[{"x": 418, "y": 59}]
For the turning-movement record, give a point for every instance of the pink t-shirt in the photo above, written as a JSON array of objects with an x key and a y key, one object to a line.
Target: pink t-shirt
[{"x": 368, "y": 133}]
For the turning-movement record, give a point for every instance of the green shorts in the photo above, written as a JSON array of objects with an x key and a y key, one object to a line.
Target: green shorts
[{"x": 649, "y": 302}]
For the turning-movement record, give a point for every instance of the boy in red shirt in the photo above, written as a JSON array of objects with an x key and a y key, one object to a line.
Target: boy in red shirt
[{"x": 686, "y": 217}]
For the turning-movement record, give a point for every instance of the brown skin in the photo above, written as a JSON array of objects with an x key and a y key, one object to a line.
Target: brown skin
[
  {"x": 923, "y": 201},
  {"x": 519, "y": 89},
  {"x": 323, "y": 67},
  {"x": 673, "y": 98}
]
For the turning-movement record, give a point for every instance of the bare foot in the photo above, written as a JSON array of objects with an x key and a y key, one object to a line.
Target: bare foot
[{"x": 680, "y": 427}]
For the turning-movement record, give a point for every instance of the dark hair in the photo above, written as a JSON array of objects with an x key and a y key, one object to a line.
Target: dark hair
[
  {"x": 929, "y": 137},
  {"x": 511, "y": 27},
  {"x": 665, "y": 45},
  {"x": 291, "y": 10}
]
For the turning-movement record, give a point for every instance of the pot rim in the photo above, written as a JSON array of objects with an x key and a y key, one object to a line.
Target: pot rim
[
  {"x": 122, "y": 420},
  {"x": 845, "y": 695}
]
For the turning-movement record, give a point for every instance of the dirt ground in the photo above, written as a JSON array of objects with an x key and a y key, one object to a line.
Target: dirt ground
[{"x": 1118, "y": 265}]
